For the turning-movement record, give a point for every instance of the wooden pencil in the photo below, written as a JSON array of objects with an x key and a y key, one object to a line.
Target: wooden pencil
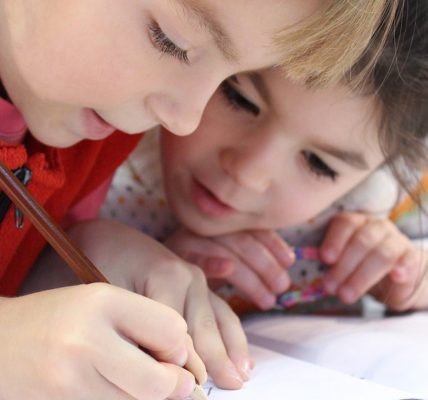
[
  {"x": 199, "y": 394},
  {"x": 51, "y": 231},
  {"x": 85, "y": 270}
]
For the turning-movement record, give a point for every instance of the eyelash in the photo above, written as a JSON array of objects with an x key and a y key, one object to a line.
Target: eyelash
[
  {"x": 319, "y": 167},
  {"x": 240, "y": 103},
  {"x": 165, "y": 45},
  {"x": 237, "y": 101}
]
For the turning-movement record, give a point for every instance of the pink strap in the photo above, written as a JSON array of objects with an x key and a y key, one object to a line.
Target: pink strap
[{"x": 12, "y": 124}]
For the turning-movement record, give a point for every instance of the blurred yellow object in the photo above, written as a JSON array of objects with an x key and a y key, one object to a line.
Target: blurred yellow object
[{"x": 408, "y": 204}]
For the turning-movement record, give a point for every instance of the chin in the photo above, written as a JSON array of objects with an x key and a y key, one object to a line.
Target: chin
[
  {"x": 59, "y": 138},
  {"x": 60, "y": 144},
  {"x": 206, "y": 228}
]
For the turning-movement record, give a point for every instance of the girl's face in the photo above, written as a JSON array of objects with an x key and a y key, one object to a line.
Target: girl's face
[
  {"x": 268, "y": 154},
  {"x": 81, "y": 68}
]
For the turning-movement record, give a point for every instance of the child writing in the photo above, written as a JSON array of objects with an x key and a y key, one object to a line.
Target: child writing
[
  {"x": 81, "y": 70},
  {"x": 272, "y": 154}
]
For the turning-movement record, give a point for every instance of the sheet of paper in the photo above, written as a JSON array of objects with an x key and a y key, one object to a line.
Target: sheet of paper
[
  {"x": 278, "y": 376},
  {"x": 391, "y": 351}
]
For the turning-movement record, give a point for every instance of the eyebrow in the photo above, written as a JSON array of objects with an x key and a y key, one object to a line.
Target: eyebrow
[
  {"x": 208, "y": 21},
  {"x": 353, "y": 158}
]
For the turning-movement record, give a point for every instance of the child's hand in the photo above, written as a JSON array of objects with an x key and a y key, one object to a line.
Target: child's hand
[
  {"x": 366, "y": 253},
  {"x": 82, "y": 342},
  {"x": 137, "y": 262},
  {"x": 254, "y": 262}
]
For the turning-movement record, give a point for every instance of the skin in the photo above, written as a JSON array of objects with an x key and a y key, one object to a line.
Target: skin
[
  {"x": 79, "y": 70},
  {"x": 256, "y": 164},
  {"x": 259, "y": 164},
  {"x": 60, "y": 57}
]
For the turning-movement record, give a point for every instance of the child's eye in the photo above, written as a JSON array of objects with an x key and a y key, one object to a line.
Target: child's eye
[
  {"x": 165, "y": 45},
  {"x": 319, "y": 167},
  {"x": 237, "y": 100}
]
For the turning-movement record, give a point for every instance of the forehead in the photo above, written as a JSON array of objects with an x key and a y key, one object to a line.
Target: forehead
[
  {"x": 335, "y": 115},
  {"x": 244, "y": 28}
]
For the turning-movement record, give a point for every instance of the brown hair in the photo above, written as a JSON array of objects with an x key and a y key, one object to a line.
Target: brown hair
[
  {"x": 320, "y": 50},
  {"x": 400, "y": 81}
]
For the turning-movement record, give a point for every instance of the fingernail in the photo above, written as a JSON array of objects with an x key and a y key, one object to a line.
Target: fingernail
[
  {"x": 244, "y": 367},
  {"x": 223, "y": 267},
  {"x": 347, "y": 294},
  {"x": 330, "y": 286},
  {"x": 282, "y": 284},
  {"x": 288, "y": 258},
  {"x": 400, "y": 274},
  {"x": 187, "y": 389},
  {"x": 234, "y": 374},
  {"x": 182, "y": 358},
  {"x": 329, "y": 255},
  {"x": 267, "y": 301}
]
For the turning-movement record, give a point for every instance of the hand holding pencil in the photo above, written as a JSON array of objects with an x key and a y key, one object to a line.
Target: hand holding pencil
[
  {"x": 100, "y": 329},
  {"x": 82, "y": 342},
  {"x": 85, "y": 341}
]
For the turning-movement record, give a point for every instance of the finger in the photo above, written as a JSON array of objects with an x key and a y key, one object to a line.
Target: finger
[
  {"x": 146, "y": 322},
  {"x": 378, "y": 263},
  {"x": 279, "y": 248},
  {"x": 194, "y": 364},
  {"x": 254, "y": 254},
  {"x": 396, "y": 296},
  {"x": 407, "y": 268},
  {"x": 339, "y": 232},
  {"x": 233, "y": 336},
  {"x": 185, "y": 383},
  {"x": 213, "y": 267},
  {"x": 357, "y": 249},
  {"x": 84, "y": 383},
  {"x": 208, "y": 340},
  {"x": 137, "y": 373},
  {"x": 401, "y": 294},
  {"x": 169, "y": 284},
  {"x": 250, "y": 284},
  {"x": 109, "y": 391}
]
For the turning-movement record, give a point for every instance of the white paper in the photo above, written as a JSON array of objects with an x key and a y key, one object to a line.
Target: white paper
[
  {"x": 391, "y": 351},
  {"x": 279, "y": 377}
]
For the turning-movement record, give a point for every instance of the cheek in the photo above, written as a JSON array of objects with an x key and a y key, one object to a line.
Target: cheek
[
  {"x": 200, "y": 146},
  {"x": 177, "y": 150},
  {"x": 179, "y": 155},
  {"x": 299, "y": 204},
  {"x": 83, "y": 60}
]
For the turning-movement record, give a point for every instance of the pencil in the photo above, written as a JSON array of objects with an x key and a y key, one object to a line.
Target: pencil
[
  {"x": 199, "y": 394},
  {"x": 85, "y": 270}
]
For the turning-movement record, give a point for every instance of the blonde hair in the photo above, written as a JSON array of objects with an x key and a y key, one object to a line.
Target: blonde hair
[{"x": 322, "y": 49}]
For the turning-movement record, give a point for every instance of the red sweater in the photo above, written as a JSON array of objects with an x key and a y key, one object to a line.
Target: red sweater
[{"x": 60, "y": 179}]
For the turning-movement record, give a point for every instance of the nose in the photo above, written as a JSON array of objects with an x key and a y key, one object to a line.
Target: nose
[
  {"x": 181, "y": 110},
  {"x": 252, "y": 165},
  {"x": 180, "y": 119}
]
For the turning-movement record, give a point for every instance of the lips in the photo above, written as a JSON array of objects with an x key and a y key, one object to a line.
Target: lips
[
  {"x": 96, "y": 127},
  {"x": 207, "y": 202}
]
